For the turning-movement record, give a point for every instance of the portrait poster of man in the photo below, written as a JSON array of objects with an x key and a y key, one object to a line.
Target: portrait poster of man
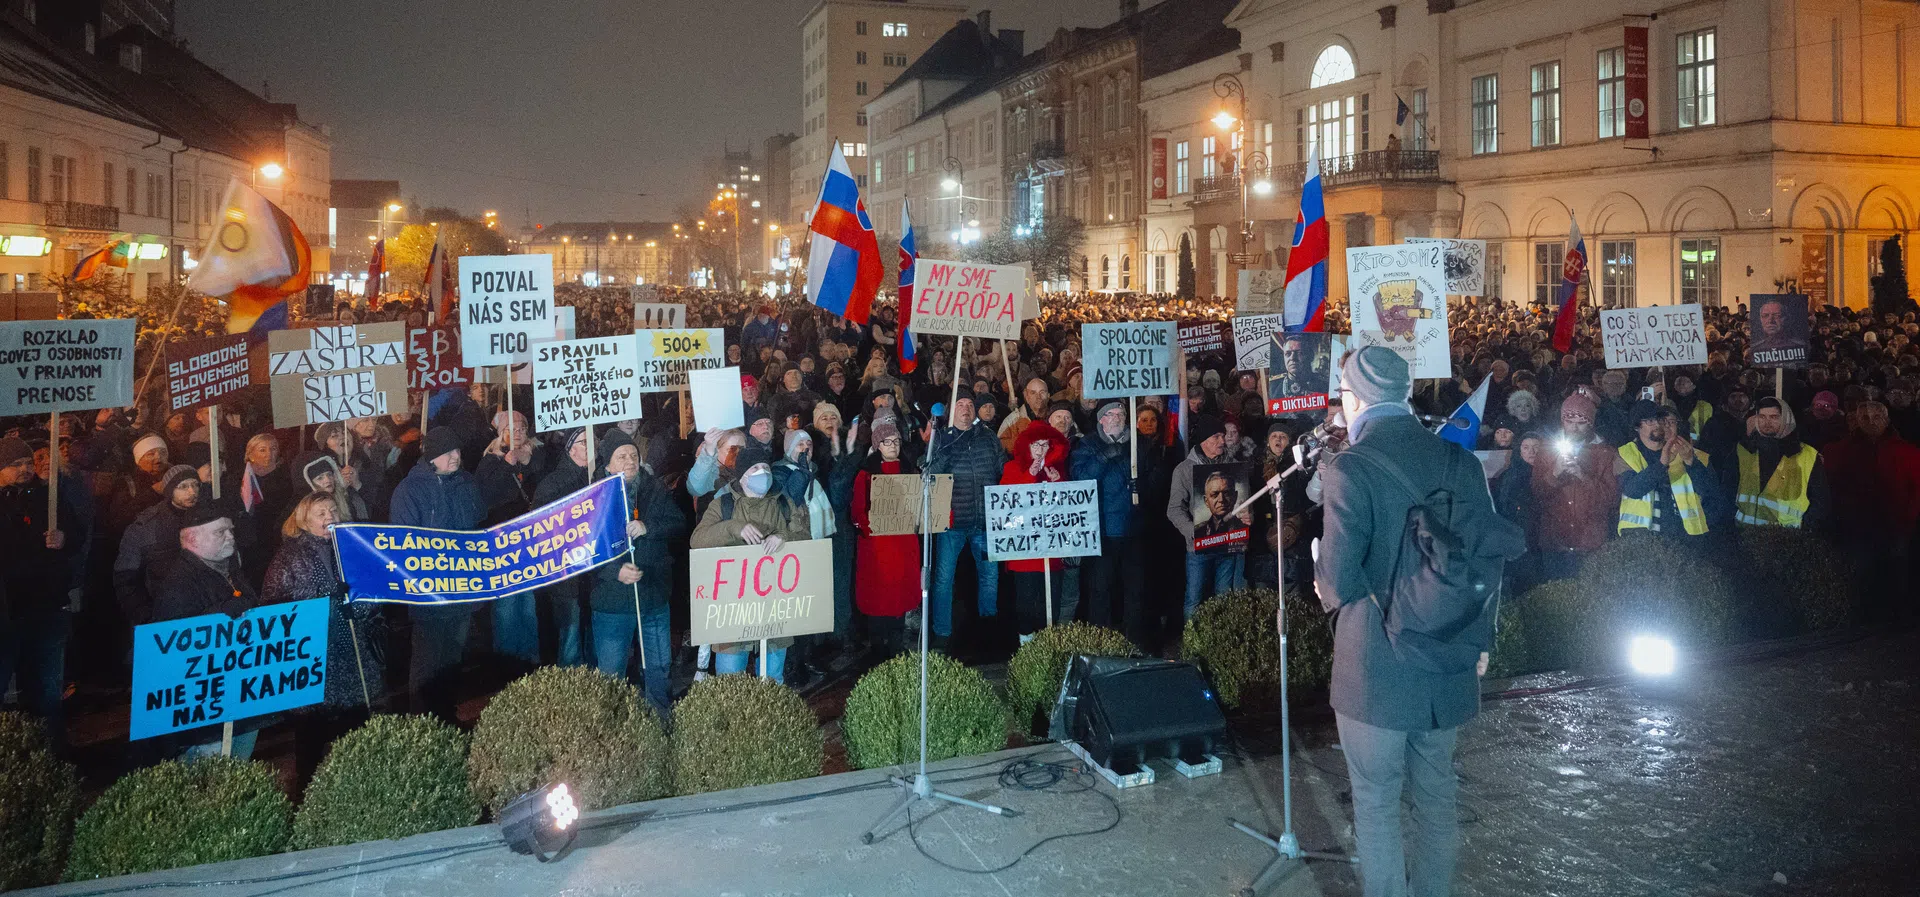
[
  {"x": 1298, "y": 375},
  {"x": 1780, "y": 331},
  {"x": 1217, "y": 489}
]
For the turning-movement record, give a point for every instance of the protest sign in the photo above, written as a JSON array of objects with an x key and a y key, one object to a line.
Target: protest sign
[
  {"x": 642, "y": 293},
  {"x": 1134, "y": 358},
  {"x": 1043, "y": 520},
  {"x": 1262, "y": 292},
  {"x": 1217, "y": 489},
  {"x": 1778, "y": 330},
  {"x": 668, "y": 315},
  {"x": 433, "y": 358},
  {"x": 324, "y": 374},
  {"x": 968, "y": 299},
  {"x": 1336, "y": 352},
  {"x": 580, "y": 382},
  {"x": 65, "y": 365},
  {"x": 522, "y": 367},
  {"x": 1298, "y": 375},
  {"x": 506, "y": 302},
  {"x": 1466, "y": 264},
  {"x": 421, "y": 565},
  {"x": 1399, "y": 301},
  {"x": 717, "y": 402},
  {"x": 1202, "y": 336},
  {"x": 741, "y": 593},
  {"x": 214, "y": 669},
  {"x": 667, "y": 355},
  {"x": 1653, "y": 337},
  {"x": 203, "y": 372},
  {"x": 1253, "y": 340},
  {"x": 893, "y": 504}
]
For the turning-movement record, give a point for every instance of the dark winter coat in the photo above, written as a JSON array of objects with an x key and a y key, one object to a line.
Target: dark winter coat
[
  {"x": 193, "y": 588},
  {"x": 974, "y": 456},
  {"x": 34, "y": 579},
  {"x": 650, "y": 503},
  {"x": 428, "y": 499},
  {"x": 305, "y": 568},
  {"x": 147, "y": 551},
  {"x": 1111, "y": 466}
]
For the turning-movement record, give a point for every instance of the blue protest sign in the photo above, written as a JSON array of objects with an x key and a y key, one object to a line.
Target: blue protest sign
[
  {"x": 417, "y": 565},
  {"x": 213, "y": 668}
]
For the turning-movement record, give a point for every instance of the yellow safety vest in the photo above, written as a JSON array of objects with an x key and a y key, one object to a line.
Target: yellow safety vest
[
  {"x": 1637, "y": 513},
  {"x": 1784, "y": 500},
  {"x": 1697, "y": 421}
]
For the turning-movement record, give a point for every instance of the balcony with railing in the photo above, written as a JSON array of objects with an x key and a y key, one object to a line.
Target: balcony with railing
[
  {"x": 1216, "y": 188},
  {"x": 83, "y": 216},
  {"x": 1049, "y": 149},
  {"x": 1374, "y": 166}
]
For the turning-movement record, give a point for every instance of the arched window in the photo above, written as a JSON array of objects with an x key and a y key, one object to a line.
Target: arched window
[
  {"x": 1334, "y": 66},
  {"x": 1126, "y": 271},
  {"x": 1106, "y": 272}
]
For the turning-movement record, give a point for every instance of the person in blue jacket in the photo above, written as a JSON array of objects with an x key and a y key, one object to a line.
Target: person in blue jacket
[{"x": 438, "y": 494}]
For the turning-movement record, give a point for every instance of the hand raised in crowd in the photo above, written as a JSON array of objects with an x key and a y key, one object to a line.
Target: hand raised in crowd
[
  {"x": 629, "y": 574},
  {"x": 711, "y": 444}
]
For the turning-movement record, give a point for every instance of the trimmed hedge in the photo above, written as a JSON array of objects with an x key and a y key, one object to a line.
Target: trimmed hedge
[
  {"x": 39, "y": 796},
  {"x": 1510, "y": 655},
  {"x": 738, "y": 730},
  {"x": 1034, "y": 673},
  {"x": 881, "y": 725},
  {"x": 1636, "y": 584},
  {"x": 394, "y": 777},
  {"x": 1232, "y": 636},
  {"x": 182, "y": 814},
  {"x": 575, "y": 725},
  {"x": 1792, "y": 581}
]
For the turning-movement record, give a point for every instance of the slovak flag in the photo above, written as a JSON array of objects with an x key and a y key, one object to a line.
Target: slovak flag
[
  {"x": 1306, "y": 300},
  {"x": 1463, "y": 427},
  {"x": 909, "y": 257},
  {"x": 843, "y": 266},
  {"x": 1572, "y": 272}
]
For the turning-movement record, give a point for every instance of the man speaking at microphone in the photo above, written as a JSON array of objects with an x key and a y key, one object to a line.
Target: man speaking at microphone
[{"x": 1414, "y": 597}]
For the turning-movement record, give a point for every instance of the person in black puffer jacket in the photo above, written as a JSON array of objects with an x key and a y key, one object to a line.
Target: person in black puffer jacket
[
  {"x": 642, "y": 583},
  {"x": 569, "y": 475},
  {"x": 439, "y": 495}
]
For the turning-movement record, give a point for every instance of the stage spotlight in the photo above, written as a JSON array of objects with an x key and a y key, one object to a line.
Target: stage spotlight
[
  {"x": 1651, "y": 655},
  {"x": 540, "y": 822}
]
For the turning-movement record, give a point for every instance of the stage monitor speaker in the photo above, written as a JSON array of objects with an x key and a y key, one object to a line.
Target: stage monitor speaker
[{"x": 1125, "y": 711}]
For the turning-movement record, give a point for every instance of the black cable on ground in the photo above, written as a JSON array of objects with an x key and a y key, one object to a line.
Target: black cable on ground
[{"x": 1030, "y": 775}]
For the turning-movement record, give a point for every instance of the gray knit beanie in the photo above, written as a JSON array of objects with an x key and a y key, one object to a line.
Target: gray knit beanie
[{"x": 1376, "y": 374}]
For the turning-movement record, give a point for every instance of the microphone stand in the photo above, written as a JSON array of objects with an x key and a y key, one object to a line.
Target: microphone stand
[{"x": 1286, "y": 847}]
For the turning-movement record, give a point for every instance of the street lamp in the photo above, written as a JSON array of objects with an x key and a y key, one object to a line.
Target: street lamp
[
  {"x": 1227, "y": 87},
  {"x": 272, "y": 171},
  {"x": 951, "y": 182}
]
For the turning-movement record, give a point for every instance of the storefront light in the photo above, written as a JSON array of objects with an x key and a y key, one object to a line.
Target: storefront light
[{"x": 25, "y": 247}]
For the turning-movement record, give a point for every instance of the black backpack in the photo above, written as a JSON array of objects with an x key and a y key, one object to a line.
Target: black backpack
[{"x": 1446, "y": 575}]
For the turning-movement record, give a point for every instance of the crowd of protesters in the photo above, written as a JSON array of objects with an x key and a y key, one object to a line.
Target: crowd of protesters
[{"x": 1572, "y": 449}]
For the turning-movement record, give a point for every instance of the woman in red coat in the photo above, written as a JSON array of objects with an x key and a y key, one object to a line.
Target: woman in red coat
[
  {"x": 887, "y": 568},
  {"x": 1039, "y": 456}
]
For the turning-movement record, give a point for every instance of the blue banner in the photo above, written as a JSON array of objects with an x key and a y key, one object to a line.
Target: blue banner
[
  {"x": 417, "y": 565},
  {"x": 213, "y": 669}
]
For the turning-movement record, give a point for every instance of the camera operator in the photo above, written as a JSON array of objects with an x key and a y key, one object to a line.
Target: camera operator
[{"x": 1399, "y": 720}]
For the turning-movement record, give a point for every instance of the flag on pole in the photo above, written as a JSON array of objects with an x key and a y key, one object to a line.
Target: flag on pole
[
  {"x": 1463, "y": 427},
  {"x": 1306, "y": 297},
  {"x": 439, "y": 281},
  {"x": 1572, "y": 272},
  {"x": 843, "y": 263},
  {"x": 909, "y": 258},
  {"x": 1400, "y": 115},
  {"x": 376, "y": 267},
  {"x": 256, "y": 258},
  {"x": 113, "y": 253}
]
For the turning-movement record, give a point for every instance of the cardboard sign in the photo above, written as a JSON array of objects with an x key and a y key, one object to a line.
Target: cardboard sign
[
  {"x": 1779, "y": 331},
  {"x": 506, "y": 302},
  {"x": 649, "y": 315},
  {"x": 1466, "y": 263},
  {"x": 1653, "y": 337},
  {"x": 893, "y": 504},
  {"x": 1253, "y": 339},
  {"x": 1134, "y": 358},
  {"x": 743, "y": 594},
  {"x": 433, "y": 359},
  {"x": 581, "y": 382},
  {"x": 1043, "y": 520},
  {"x": 1262, "y": 292},
  {"x": 335, "y": 373},
  {"x": 1398, "y": 300},
  {"x": 1297, "y": 377},
  {"x": 1202, "y": 336},
  {"x": 968, "y": 299},
  {"x": 667, "y": 355},
  {"x": 65, "y": 365},
  {"x": 717, "y": 401},
  {"x": 1217, "y": 489},
  {"x": 204, "y": 372},
  {"x": 214, "y": 669}
]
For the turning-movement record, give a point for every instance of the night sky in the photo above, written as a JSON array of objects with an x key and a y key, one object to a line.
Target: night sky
[{"x": 566, "y": 108}]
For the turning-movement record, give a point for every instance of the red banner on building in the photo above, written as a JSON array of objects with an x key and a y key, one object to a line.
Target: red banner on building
[
  {"x": 1157, "y": 170},
  {"x": 1636, "y": 53}
]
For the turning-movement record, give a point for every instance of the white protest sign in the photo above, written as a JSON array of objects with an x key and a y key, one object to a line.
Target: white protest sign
[
  {"x": 580, "y": 382},
  {"x": 743, "y": 594},
  {"x": 1262, "y": 291},
  {"x": 506, "y": 302},
  {"x": 1398, "y": 298},
  {"x": 1253, "y": 338},
  {"x": 1466, "y": 263},
  {"x": 521, "y": 367},
  {"x": 1654, "y": 337},
  {"x": 1043, "y": 520},
  {"x": 65, "y": 365},
  {"x": 323, "y": 374},
  {"x": 968, "y": 299},
  {"x": 717, "y": 402},
  {"x": 667, "y": 355},
  {"x": 1133, "y": 358},
  {"x": 648, "y": 315}
]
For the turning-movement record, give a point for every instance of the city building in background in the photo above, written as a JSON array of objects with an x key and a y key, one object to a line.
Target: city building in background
[
  {"x": 363, "y": 213},
  {"x": 777, "y": 242},
  {"x": 608, "y": 253}
]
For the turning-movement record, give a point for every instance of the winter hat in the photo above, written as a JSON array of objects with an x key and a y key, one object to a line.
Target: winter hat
[
  {"x": 1827, "y": 399},
  {"x": 1580, "y": 403},
  {"x": 317, "y": 468},
  {"x": 748, "y": 381},
  {"x": 203, "y": 513},
  {"x": 613, "y": 439},
  {"x": 884, "y": 430},
  {"x": 1210, "y": 379},
  {"x": 12, "y": 450},
  {"x": 173, "y": 477},
  {"x": 1646, "y": 410},
  {"x": 146, "y": 444},
  {"x": 965, "y": 393},
  {"x": 1204, "y": 427},
  {"x": 794, "y": 437},
  {"x": 440, "y": 440},
  {"x": 1376, "y": 374}
]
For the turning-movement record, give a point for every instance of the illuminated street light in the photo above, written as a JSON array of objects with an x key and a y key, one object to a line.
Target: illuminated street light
[
  {"x": 949, "y": 184},
  {"x": 1224, "y": 120},
  {"x": 391, "y": 207},
  {"x": 272, "y": 171},
  {"x": 1263, "y": 187}
]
